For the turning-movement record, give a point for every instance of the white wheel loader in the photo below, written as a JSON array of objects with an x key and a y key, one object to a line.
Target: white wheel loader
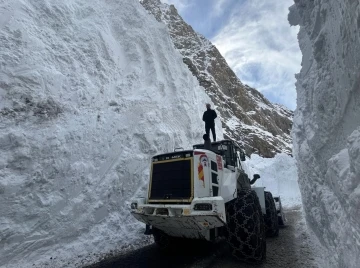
[{"x": 204, "y": 194}]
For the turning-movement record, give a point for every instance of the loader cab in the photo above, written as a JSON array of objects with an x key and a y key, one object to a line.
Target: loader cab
[{"x": 229, "y": 150}]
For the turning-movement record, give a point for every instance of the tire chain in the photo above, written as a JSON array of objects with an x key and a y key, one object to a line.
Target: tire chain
[{"x": 245, "y": 207}]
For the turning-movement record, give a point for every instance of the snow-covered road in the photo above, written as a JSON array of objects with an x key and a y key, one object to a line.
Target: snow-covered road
[{"x": 293, "y": 248}]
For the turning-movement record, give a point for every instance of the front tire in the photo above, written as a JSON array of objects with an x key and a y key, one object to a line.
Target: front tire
[
  {"x": 164, "y": 241},
  {"x": 245, "y": 229}
]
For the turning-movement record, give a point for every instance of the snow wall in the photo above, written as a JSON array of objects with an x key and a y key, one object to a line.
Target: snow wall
[
  {"x": 326, "y": 128},
  {"x": 278, "y": 175},
  {"x": 89, "y": 90}
]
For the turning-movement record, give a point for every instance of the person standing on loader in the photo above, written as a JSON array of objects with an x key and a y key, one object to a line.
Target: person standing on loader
[{"x": 209, "y": 119}]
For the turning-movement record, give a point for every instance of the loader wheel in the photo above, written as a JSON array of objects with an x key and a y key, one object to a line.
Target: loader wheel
[
  {"x": 245, "y": 229},
  {"x": 271, "y": 217},
  {"x": 280, "y": 212},
  {"x": 163, "y": 240}
]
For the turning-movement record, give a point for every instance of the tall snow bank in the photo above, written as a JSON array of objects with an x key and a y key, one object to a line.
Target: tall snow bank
[
  {"x": 89, "y": 91},
  {"x": 278, "y": 175},
  {"x": 326, "y": 125}
]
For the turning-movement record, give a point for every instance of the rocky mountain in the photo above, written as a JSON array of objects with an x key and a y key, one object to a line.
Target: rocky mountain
[{"x": 247, "y": 116}]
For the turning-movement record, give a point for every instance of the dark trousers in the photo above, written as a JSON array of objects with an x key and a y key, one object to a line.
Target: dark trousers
[{"x": 207, "y": 130}]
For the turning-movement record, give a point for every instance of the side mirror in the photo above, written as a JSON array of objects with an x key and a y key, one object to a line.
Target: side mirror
[{"x": 256, "y": 176}]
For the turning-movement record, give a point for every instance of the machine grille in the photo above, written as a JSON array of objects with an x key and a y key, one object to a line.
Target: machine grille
[{"x": 171, "y": 181}]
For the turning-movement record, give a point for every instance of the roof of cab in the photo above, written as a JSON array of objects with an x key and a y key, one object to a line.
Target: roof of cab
[{"x": 174, "y": 153}]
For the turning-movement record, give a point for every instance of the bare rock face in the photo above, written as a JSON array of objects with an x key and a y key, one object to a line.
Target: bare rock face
[{"x": 247, "y": 116}]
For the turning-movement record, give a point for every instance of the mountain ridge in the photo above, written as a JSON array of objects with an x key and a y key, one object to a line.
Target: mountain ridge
[{"x": 247, "y": 116}]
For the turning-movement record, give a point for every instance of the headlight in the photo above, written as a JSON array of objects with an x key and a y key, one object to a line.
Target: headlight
[
  {"x": 202, "y": 206},
  {"x": 133, "y": 205}
]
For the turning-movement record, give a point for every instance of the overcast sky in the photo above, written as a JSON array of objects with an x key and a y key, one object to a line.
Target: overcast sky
[{"x": 255, "y": 38}]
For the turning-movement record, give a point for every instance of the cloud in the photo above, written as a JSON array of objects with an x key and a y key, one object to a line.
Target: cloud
[
  {"x": 219, "y": 8},
  {"x": 255, "y": 38},
  {"x": 261, "y": 47}
]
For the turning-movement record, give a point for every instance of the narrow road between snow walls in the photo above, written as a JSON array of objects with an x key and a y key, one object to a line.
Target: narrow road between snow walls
[{"x": 293, "y": 248}]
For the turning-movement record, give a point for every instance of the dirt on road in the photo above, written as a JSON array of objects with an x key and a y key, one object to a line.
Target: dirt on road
[{"x": 292, "y": 248}]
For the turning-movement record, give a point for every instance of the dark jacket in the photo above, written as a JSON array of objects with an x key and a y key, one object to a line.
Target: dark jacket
[{"x": 209, "y": 117}]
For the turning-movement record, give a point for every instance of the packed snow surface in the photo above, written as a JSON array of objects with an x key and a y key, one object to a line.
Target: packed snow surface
[
  {"x": 327, "y": 124},
  {"x": 89, "y": 90},
  {"x": 278, "y": 175}
]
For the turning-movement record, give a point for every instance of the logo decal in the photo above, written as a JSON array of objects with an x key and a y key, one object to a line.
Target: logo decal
[{"x": 203, "y": 162}]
